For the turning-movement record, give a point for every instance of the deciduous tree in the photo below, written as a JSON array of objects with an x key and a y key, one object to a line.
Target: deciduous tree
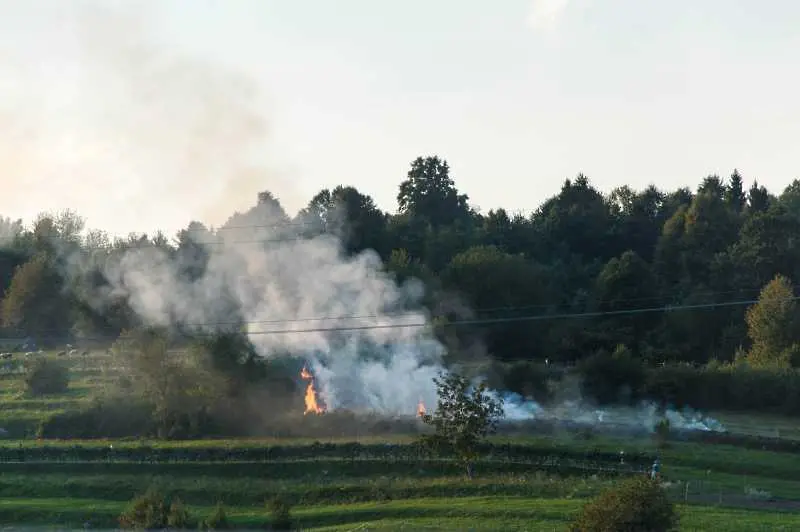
[
  {"x": 464, "y": 416},
  {"x": 772, "y": 325}
]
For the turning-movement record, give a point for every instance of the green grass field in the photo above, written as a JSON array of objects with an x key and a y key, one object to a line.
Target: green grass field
[{"x": 335, "y": 485}]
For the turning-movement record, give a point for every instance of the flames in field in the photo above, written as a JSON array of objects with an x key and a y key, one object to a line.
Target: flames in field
[{"x": 314, "y": 403}]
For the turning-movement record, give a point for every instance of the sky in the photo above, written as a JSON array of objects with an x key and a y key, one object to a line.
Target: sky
[{"x": 145, "y": 115}]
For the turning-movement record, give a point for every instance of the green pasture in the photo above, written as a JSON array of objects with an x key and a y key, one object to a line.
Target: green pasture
[
  {"x": 528, "y": 482},
  {"x": 440, "y": 514}
]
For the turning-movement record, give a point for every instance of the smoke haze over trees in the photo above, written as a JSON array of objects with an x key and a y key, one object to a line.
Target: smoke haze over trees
[{"x": 692, "y": 286}]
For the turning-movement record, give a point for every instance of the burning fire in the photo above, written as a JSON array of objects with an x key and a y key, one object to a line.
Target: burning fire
[
  {"x": 420, "y": 408},
  {"x": 314, "y": 403}
]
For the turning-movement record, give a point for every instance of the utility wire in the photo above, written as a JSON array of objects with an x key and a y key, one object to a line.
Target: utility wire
[
  {"x": 516, "y": 319},
  {"x": 410, "y": 313},
  {"x": 484, "y": 321}
]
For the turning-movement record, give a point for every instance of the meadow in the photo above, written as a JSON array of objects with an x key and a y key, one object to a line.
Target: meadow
[{"x": 527, "y": 481}]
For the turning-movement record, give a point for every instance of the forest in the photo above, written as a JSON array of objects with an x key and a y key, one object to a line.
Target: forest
[{"x": 684, "y": 296}]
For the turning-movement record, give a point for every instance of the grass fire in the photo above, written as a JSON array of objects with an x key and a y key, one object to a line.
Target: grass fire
[{"x": 314, "y": 403}]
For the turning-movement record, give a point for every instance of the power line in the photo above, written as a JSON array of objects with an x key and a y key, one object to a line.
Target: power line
[
  {"x": 412, "y": 313},
  {"x": 515, "y": 319},
  {"x": 479, "y": 322}
]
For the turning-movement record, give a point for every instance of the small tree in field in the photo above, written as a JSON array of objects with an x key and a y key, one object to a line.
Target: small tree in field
[
  {"x": 464, "y": 416},
  {"x": 46, "y": 377}
]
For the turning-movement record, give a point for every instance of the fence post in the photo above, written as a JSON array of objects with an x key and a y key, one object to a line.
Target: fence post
[{"x": 686, "y": 492}]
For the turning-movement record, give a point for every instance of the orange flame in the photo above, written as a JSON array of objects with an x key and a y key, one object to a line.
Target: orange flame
[
  {"x": 313, "y": 402},
  {"x": 420, "y": 408}
]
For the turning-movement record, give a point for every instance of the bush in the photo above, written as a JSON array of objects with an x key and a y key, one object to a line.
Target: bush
[
  {"x": 154, "y": 511},
  {"x": 725, "y": 386},
  {"x": 635, "y": 504},
  {"x": 528, "y": 379},
  {"x": 218, "y": 520},
  {"x": 612, "y": 378},
  {"x": 662, "y": 433},
  {"x": 280, "y": 514},
  {"x": 45, "y": 377},
  {"x": 148, "y": 511},
  {"x": 110, "y": 418},
  {"x": 178, "y": 517}
]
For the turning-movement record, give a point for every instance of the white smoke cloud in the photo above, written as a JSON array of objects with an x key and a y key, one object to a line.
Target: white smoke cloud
[
  {"x": 97, "y": 115},
  {"x": 545, "y": 15},
  {"x": 9, "y": 229},
  {"x": 366, "y": 338},
  {"x": 644, "y": 417}
]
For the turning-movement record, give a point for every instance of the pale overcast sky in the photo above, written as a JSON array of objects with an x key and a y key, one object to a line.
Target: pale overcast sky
[{"x": 166, "y": 111}]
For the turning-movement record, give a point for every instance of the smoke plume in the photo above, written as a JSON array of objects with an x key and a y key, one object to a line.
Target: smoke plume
[
  {"x": 643, "y": 417},
  {"x": 366, "y": 338},
  {"x": 106, "y": 120},
  {"x": 9, "y": 229},
  {"x": 139, "y": 130}
]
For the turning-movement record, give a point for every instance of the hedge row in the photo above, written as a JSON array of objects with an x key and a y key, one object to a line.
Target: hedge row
[
  {"x": 621, "y": 377},
  {"x": 351, "y": 451}
]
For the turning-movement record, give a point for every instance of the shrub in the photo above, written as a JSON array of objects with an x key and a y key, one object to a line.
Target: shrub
[
  {"x": 154, "y": 511},
  {"x": 280, "y": 514},
  {"x": 108, "y": 418},
  {"x": 636, "y": 504},
  {"x": 178, "y": 517},
  {"x": 45, "y": 377},
  {"x": 528, "y": 379},
  {"x": 662, "y": 433},
  {"x": 218, "y": 520},
  {"x": 722, "y": 386},
  {"x": 146, "y": 512},
  {"x": 612, "y": 378}
]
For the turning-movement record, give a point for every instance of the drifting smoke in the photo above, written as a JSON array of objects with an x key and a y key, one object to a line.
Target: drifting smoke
[
  {"x": 141, "y": 131},
  {"x": 9, "y": 229},
  {"x": 365, "y": 339},
  {"x": 107, "y": 114},
  {"x": 644, "y": 417},
  {"x": 96, "y": 115}
]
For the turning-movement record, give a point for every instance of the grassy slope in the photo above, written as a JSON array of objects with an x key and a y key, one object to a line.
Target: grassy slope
[
  {"x": 399, "y": 496},
  {"x": 474, "y": 513}
]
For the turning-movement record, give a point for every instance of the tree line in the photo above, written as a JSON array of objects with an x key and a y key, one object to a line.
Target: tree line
[{"x": 627, "y": 285}]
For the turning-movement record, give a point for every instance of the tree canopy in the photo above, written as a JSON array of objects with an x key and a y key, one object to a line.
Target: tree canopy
[{"x": 667, "y": 274}]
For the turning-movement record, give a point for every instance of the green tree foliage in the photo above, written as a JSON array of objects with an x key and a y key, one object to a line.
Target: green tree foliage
[
  {"x": 233, "y": 358},
  {"x": 280, "y": 516},
  {"x": 490, "y": 278},
  {"x": 182, "y": 394},
  {"x": 772, "y": 325},
  {"x": 429, "y": 193},
  {"x": 578, "y": 221},
  {"x": 735, "y": 197},
  {"x": 217, "y": 520},
  {"x": 633, "y": 505},
  {"x": 666, "y": 273},
  {"x": 463, "y": 417},
  {"x": 758, "y": 198},
  {"x": 349, "y": 214},
  {"x": 34, "y": 299},
  {"x": 625, "y": 283},
  {"x": 45, "y": 376},
  {"x": 155, "y": 511},
  {"x": 612, "y": 378}
]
